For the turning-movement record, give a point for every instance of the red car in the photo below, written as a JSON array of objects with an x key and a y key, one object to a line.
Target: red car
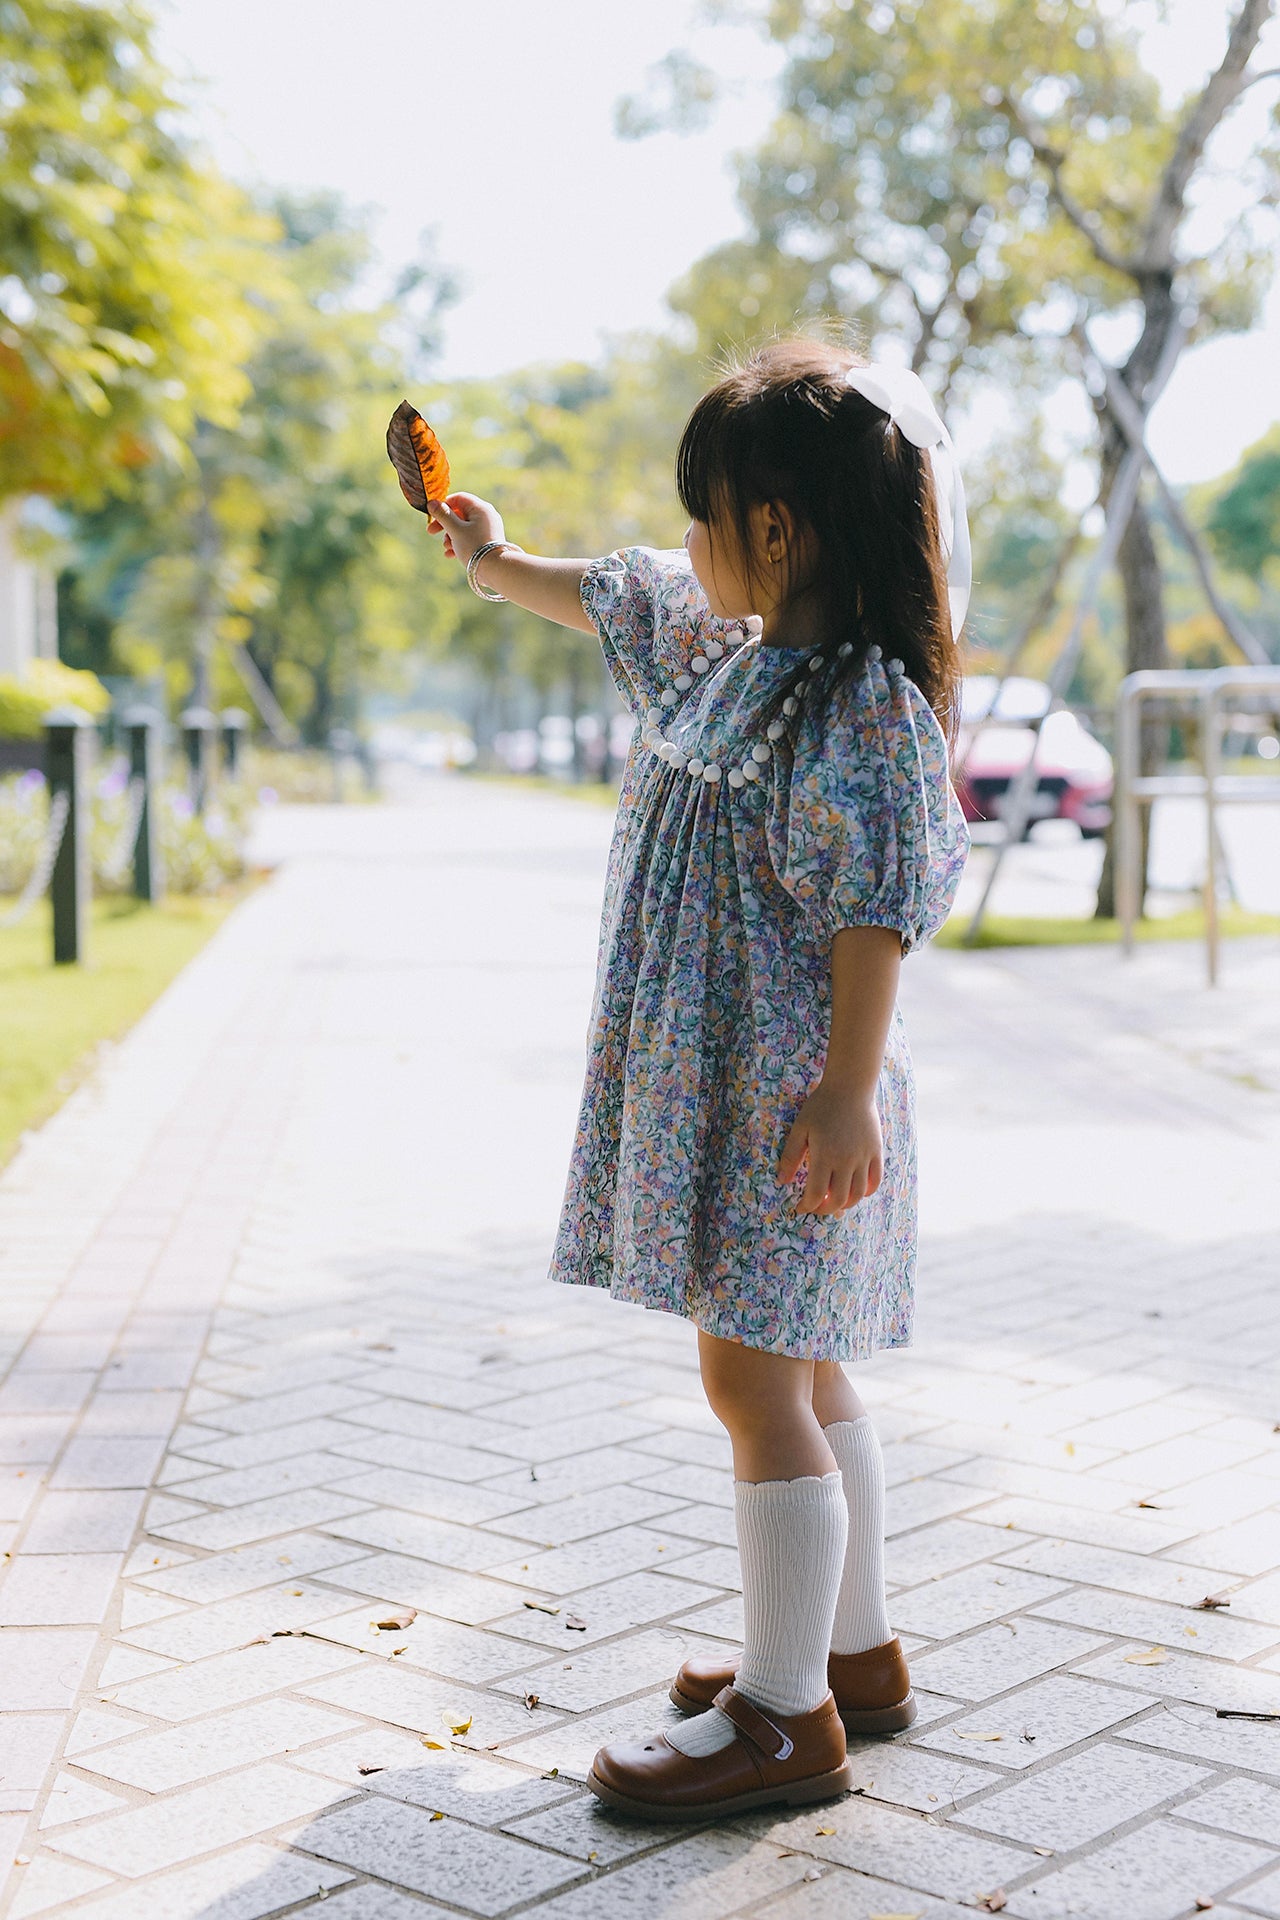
[{"x": 1074, "y": 768}]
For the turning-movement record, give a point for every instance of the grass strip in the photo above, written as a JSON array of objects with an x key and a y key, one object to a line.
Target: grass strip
[
  {"x": 1010, "y": 931},
  {"x": 53, "y": 1019}
]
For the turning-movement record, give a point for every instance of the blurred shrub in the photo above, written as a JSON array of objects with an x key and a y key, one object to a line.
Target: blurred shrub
[
  {"x": 200, "y": 854},
  {"x": 46, "y": 683}
]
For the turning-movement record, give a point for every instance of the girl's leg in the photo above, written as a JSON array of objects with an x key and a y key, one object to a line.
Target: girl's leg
[
  {"x": 861, "y": 1617},
  {"x": 791, "y": 1522}
]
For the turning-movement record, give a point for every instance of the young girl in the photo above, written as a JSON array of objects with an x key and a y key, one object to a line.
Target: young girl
[{"x": 745, "y": 1155}]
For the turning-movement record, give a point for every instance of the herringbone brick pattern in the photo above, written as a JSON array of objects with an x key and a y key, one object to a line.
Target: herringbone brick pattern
[{"x": 340, "y": 1539}]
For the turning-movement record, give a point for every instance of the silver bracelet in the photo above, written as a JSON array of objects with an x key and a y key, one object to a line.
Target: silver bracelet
[{"x": 490, "y": 546}]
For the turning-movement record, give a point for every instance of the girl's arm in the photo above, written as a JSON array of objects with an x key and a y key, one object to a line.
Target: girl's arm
[
  {"x": 552, "y": 588},
  {"x": 838, "y": 1127}
]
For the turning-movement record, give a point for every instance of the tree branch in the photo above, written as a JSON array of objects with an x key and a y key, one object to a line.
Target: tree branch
[
  {"x": 1219, "y": 93},
  {"x": 1082, "y": 219}
]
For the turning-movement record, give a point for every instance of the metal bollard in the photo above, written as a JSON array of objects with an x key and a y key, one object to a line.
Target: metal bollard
[
  {"x": 142, "y": 726},
  {"x": 68, "y": 733},
  {"x": 235, "y": 722},
  {"x": 199, "y": 727}
]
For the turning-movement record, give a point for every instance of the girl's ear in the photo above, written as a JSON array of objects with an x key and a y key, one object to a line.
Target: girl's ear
[{"x": 773, "y": 529}]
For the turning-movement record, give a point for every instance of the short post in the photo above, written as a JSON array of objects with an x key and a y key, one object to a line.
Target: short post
[
  {"x": 234, "y": 724},
  {"x": 341, "y": 742},
  {"x": 142, "y": 726},
  {"x": 198, "y": 729},
  {"x": 68, "y": 732},
  {"x": 1210, "y": 755}
]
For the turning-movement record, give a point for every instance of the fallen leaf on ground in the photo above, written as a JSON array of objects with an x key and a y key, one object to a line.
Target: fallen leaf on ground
[
  {"x": 457, "y": 1721},
  {"x": 396, "y": 1650},
  {"x": 1028, "y": 1736},
  {"x": 551, "y": 1773},
  {"x": 396, "y": 1622},
  {"x": 994, "y": 1901},
  {"x": 824, "y": 1830},
  {"x": 575, "y": 1623},
  {"x": 437, "y": 1816},
  {"x": 436, "y": 1746},
  {"x": 380, "y": 1346},
  {"x": 812, "y": 1873},
  {"x": 530, "y": 1701},
  {"x": 360, "y": 1769},
  {"x": 962, "y": 1735},
  {"x": 866, "y": 1787},
  {"x": 1046, "y": 1853},
  {"x": 1203, "y": 1903},
  {"x": 1148, "y": 1657},
  {"x": 1156, "y": 1506},
  {"x": 1070, "y": 1447},
  {"x": 541, "y": 1606},
  {"x": 919, "y": 1915},
  {"x": 1192, "y": 1632},
  {"x": 1243, "y": 1713},
  {"x": 1211, "y": 1602}
]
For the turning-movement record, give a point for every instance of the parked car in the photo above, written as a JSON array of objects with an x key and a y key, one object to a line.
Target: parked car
[{"x": 1074, "y": 769}]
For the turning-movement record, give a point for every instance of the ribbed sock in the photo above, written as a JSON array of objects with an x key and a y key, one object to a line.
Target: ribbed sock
[
  {"x": 791, "y": 1536},
  {"x": 862, "y": 1619}
]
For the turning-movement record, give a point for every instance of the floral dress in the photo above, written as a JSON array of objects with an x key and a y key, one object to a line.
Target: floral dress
[{"x": 712, "y": 1000}]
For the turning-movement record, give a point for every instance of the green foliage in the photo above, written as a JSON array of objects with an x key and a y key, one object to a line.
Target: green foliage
[
  {"x": 25, "y": 700},
  {"x": 1244, "y": 523},
  {"x": 124, "y": 310}
]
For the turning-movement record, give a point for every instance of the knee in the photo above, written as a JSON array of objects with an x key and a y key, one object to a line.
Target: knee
[{"x": 746, "y": 1394}]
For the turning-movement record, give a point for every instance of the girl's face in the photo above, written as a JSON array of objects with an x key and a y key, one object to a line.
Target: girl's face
[
  {"x": 719, "y": 572},
  {"x": 738, "y": 585}
]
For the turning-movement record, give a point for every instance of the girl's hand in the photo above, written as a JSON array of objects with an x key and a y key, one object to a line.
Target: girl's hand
[
  {"x": 838, "y": 1132},
  {"x": 467, "y": 523}
]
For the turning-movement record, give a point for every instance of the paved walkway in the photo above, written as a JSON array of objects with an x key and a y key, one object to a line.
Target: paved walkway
[{"x": 340, "y": 1539}]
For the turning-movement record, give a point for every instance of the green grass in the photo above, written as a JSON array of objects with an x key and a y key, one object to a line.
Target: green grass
[
  {"x": 597, "y": 793},
  {"x": 1006, "y": 931},
  {"x": 53, "y": 1019}
]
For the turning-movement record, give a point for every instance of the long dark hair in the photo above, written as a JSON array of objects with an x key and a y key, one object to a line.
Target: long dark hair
[{"x": 785, "y": 426}]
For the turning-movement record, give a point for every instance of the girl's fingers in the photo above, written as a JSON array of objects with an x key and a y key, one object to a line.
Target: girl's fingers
[
  {"x": 793, "y": 1152},
  {"x": 875, "y": 1174}
]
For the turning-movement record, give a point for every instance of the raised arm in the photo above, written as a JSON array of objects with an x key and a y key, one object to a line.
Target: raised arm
[{"x": 552, "y": 588}]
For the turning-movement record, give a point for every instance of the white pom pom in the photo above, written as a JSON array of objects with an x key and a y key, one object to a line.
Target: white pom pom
[
  {"x": 670, "y": 698},
  {"x": 696, "y": 767},
  {"x": 655, "y": 716},
  {"x": 847, "y": 648},
  {"x": 895, "y": 668},
  {"x": 651, "y": 737},
  {"x": 873, "y": 653},
  {"x": 735, "y": 777},
  {"x": 700, "y": 663},
  {"x": 789, "y": 705},
  {"x": 713, "y": 649},
  {"x": 775, "y": 730},
  {"x": 761, "y": 753},
  {"x": 711, "y": 772},
  {"x": 753, "y": 626},
  {"x": 750, "y": 771},
  {"x": 684, "y": 681},
  {"x": 815, "y": 662},
  {"x": 677, "y": 759}
]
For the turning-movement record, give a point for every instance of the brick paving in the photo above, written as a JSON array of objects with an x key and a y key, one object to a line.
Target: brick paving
[{"x": 339, "y": 1539}]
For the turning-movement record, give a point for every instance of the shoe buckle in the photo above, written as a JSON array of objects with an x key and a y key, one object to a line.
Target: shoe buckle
[{"x": 756, "y": 1726}]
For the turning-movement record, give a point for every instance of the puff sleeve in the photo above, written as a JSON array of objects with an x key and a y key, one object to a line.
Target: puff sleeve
[
  {"x": 871, "y": 833},
  {"x": 651, "y": 616}
]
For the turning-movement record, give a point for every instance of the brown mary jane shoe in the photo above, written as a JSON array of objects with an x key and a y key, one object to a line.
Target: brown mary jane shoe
[
  {"x": 872, "y": 1690},
  {"x": 789, "y": 1759}
]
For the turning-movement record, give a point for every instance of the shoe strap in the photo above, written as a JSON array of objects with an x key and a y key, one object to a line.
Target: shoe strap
[{"x": 756, "y": 1726}]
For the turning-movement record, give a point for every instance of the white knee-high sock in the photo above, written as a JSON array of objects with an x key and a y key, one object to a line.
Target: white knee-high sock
[
  {"x": 862, "y": 1620},
  {"x": 791, "y": 1536}
]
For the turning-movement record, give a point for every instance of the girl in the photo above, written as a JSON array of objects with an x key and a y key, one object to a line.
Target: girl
[{"x": 745, "y": 1154}]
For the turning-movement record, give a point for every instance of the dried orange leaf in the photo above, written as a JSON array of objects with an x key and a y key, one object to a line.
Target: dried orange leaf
[
  {"x": 1211, "y": 1603},
  {"x": 363, "y": 1769},
  {"x": 530, "y": 1702},
  {"x": 421, "y": 464},
  {"x": 396, "y": 1622},
  {"x": 541, "y": 1606},
  {"x": 437, "y": 1816},
  {"x": 1148, "y": 1657},
  {"x": 436, "y": 1746},
  {"x": 993, "y": 1902}
]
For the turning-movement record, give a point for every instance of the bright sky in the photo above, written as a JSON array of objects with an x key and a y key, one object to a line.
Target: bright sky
[{"x": 493, "y": 123}]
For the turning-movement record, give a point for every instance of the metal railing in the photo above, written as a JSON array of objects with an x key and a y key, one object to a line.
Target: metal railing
[{"x": 1212, "y": 696}]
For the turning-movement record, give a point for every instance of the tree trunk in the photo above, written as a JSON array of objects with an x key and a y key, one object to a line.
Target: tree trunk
[{"x": 1141, "y": 574}]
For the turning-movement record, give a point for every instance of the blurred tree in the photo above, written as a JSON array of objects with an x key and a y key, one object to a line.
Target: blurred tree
[
  {"x": 983, "y": 178},
  {"x": 124, "y": 311},
  {"x": 1244, "y": 521},
  {"x": 279, "y": 532}
]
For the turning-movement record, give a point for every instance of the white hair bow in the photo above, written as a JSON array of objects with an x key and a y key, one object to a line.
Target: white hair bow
[{"x": 905, "y": 398}]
